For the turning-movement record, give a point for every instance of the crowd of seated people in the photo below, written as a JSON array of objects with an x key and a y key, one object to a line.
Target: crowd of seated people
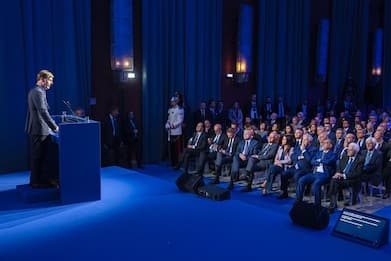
[{"x": 308, "y": 149}]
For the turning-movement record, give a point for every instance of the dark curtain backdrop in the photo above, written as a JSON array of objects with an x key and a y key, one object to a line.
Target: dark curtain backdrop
[
  {"x": 40, "y": 34},
  {"x": 387, "y": 55},
  {"x": 283, "y": 50},
  {"x": 348, "y": 46},
  {"x": 181, "y": 51}
]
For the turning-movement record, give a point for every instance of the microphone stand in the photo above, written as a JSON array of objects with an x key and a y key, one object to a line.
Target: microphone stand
[{"x": 68, "y": 104}]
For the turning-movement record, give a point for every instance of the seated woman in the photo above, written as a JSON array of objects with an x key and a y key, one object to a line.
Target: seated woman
[{"x": 281, "y": 161}]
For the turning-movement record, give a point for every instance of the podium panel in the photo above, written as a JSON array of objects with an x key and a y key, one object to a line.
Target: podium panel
[{"x": 79, "y": 161}]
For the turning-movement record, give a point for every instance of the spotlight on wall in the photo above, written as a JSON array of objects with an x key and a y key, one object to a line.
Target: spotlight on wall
[
  {"x": 376, "y": 71},
  {"x": 377, "y": 53},
  {"x": 244, "y": 48},
  {"x": 229, "y": 75},
  {"x": 122, "y": 62}
]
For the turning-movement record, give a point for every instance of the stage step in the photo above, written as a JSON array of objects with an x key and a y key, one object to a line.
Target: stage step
[{"x": 30, "y": 195}]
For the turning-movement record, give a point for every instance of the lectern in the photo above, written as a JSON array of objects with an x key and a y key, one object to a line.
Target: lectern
[{"x": 79, "y": 158}]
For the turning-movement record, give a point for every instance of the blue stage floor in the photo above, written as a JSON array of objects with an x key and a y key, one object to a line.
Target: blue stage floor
[{"x": 143, "y": 216}]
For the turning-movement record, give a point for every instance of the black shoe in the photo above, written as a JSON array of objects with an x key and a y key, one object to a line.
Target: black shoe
[
  {"x": 215, "y": 181},
  {"x": 247, "y": 189},
  {"x": 283, "y": 195},
  {"x": 265, "y": 193},
  {"x": 230, "y": 186},
  {"x": 386, "y": 195},
  {"x": 331, "y": 208},
  {"x": 41, "y": 185}
]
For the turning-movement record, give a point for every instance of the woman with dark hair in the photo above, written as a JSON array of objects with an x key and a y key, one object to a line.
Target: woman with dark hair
[
  {"x": 281, "y": 161},
  {"x": 289, "y": 130},
  {"x": 263, "y": 131}
]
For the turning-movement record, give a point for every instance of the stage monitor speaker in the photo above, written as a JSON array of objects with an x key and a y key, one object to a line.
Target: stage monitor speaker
[
  {"x": 190, "y": 183},
  {"x": 364, "y": 228},
  {"x": 309, "y": 215},
  {"x": 214, "y": 192}
]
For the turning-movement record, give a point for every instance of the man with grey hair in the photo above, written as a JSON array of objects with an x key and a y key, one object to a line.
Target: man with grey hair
[{"x": 348, "y": 174}]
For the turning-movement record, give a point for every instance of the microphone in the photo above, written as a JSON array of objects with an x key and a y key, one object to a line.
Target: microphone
[{"x": 68, "y": 104}]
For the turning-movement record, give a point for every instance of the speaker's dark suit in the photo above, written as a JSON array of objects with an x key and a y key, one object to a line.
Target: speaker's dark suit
[
  {"x": 38, "y": 122},
  {"x": 352, "y": 178}
]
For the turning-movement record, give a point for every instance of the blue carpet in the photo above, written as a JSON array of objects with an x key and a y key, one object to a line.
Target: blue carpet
[{"x": 145, "y": 217}]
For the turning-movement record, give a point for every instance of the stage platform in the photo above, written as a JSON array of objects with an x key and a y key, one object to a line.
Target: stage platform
[{"x": 143, "y": 216}]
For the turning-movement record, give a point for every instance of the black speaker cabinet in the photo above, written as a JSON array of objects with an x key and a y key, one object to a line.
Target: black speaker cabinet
[
  {"x": 309, "y": 215},
  {"x": 190, "y": 183},
  {"x": 363, "y": 228}
]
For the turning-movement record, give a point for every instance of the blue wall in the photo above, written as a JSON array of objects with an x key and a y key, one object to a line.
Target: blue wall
[{"x": 41, "y": 34}]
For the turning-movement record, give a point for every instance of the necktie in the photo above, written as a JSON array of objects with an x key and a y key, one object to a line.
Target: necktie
[
  {"x": 254, "y": 116},
  {"x": 215, "y": 140},
  {"x": 342, "y": 152},
  {"x": 266, "y": 149},
  {"x": 113, "y": 122},
  {"x": 368, "y": 157},
  {"x": 347, "y": 167},
  {"x": 337, "y": 145},
  {"x": 196, "y": 139},
  {"x": 245, "y": 149},
  {"x": 281, "y": 110},
  {"x": 230, "y": 146}
]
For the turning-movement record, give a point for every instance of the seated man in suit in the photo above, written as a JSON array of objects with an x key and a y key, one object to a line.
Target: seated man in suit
[
  {"x": 197, "y": 147},
  {"x": 361, "y": 138},
  {"x": 339, "y": 141},
  {"x": 247, "y": 147},
  {"x": 215, "y": 142},
  {"x": 225, "y": 153},
  {"x": 373, "y": 163},
  {"x": 324, "y": 164},
  {"x": 262, "y": 159},
  {"x": 301, "y": 164},
  {"x": 348, "y": 173},
  {"x": 349, "y": 138}
]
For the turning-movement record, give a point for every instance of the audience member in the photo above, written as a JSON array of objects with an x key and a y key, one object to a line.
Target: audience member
[{"x": 348, "y": 173}]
